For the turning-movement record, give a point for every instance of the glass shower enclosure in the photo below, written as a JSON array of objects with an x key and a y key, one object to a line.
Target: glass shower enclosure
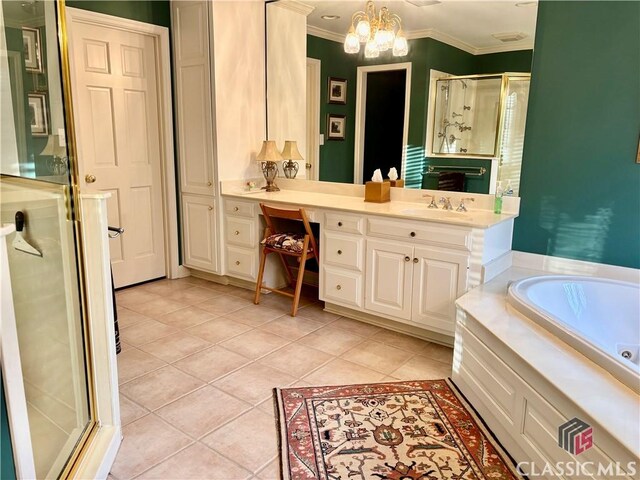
[{"x": 37, "y": 194}]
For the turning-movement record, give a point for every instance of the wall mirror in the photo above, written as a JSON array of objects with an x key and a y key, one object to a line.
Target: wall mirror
[{"x": 379, "y": 107}]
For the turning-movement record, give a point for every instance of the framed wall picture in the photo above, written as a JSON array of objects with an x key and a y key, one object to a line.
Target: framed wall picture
[
  {"x": 32, "y": 52},
  {"x": 336, "y": 126},
  {"x": 38, "y": 114},
  {"x": 337, "y": 90}
]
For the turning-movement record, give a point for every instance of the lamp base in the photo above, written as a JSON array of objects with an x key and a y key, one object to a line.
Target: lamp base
[
  {"x": 270, "y": 172},
  {"x": 270, "y": 187}
]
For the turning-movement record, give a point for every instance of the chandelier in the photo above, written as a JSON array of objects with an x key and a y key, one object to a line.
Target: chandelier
[{"x": 377, "y": 30}]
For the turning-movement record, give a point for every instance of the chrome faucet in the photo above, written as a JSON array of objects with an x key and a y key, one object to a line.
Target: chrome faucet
[
  {"x": 433, "y": 200},
  {"x": 446, "y": 203},
  {"x": 462, "y": 207}
]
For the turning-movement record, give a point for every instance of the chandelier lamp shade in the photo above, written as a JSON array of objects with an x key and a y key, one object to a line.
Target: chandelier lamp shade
[{"x": 379, "y": 31}]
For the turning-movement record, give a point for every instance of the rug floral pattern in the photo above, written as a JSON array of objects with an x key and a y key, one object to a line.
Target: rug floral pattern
[{"x": 390, "y": 431}]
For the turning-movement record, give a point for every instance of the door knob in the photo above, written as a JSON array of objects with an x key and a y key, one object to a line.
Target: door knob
[{"x": 89, "y": 178}]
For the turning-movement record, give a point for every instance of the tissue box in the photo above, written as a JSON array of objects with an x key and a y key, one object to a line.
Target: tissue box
[
  {"x": 377, "y": 192},
  {"x": 397, "y": 183}
]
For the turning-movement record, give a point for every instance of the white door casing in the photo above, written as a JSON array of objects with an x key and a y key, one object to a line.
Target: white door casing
[
  {"x": 361, "y": 111},
  {"x": 313, "y": 119},
  {"x": 121, "y": 119}
]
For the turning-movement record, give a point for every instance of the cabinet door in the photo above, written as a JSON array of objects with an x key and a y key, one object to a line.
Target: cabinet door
[
  {"x": 388, "y": 279},
  {"x": 199, "y": 233},
  {"x": 439, "y": 278},
  {"x": 193, "y": 96}
]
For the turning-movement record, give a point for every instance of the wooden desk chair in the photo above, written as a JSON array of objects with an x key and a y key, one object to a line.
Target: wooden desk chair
[{"x": 303, "y": 246}]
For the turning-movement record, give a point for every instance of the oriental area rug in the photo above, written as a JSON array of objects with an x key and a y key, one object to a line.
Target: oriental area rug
[{"x": 417, "y": 430}]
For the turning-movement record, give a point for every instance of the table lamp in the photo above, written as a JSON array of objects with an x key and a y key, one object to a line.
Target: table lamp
[
  {"x": 290, "y": 153},
  {"x": 268, "y": 156}
]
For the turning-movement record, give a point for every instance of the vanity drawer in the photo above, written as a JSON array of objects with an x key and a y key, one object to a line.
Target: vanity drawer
[
  {"x": 344, "y": 251},
  {"x": 242, "y": 262},
  {"x": 342, "y": 287},
  {"x": 241, "y": 231},
  {"x": 450, "y": 236},
  {"x": 340, "y": 222},
  {"x": 243, "y": 209}
]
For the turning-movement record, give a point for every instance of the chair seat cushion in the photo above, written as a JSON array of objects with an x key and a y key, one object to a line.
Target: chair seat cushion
[{"x": 291, "y": 242}]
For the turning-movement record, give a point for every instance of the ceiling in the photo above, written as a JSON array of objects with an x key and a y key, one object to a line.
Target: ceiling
[{"x": 466, "y": 24}]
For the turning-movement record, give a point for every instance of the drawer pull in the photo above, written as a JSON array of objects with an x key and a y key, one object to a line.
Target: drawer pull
[
  {"x": 413, "y": 234},
  {"x": 237, "y": 232},
  {"x": 407, "y": 259},
  {"x": 210, "y": 207},
  {"x": 339, "y": 224},
  {"x": 415, "y": 260},
  {"x": 338, "y": 287},
  {"x": 237, "y": 262},
  {"x": 235, "y": 209},
  {"x": 339, "y": 252}
]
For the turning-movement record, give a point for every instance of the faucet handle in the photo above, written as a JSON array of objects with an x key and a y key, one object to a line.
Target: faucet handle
[
  {"x": 433, "y": 200},
  {"x": 462, "y": 207}
]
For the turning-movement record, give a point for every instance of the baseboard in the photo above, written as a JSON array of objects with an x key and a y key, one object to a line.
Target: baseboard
[{"x": 434, "y": 337}]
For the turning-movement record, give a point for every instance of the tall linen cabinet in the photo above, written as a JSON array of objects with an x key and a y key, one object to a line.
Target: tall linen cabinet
[{"x": 219, "y": 99}]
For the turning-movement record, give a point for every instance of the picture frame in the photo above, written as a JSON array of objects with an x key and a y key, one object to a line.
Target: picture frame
[
  {"x": 38, "y": 114},
  {"x": 32, "y": 50},
  {"x": 337, "y": 91},
  {"x": 336, "y": 126}
]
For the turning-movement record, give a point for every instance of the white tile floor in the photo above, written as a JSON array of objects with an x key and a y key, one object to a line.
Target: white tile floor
[{"x": 199, "y": 362}]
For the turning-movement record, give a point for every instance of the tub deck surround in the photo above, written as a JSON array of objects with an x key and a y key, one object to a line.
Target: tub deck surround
[
  {"x": 397, "y": 264},
  {"x": 572, "y": 384}
]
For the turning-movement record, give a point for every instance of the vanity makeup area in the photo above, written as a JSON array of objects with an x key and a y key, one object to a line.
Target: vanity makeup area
[{"x": 400, "y": 264}]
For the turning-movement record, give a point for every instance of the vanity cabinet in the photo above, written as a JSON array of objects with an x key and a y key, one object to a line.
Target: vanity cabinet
[
  {"x": 241, "y": 239},
  {"x": 419, "y": 284}
]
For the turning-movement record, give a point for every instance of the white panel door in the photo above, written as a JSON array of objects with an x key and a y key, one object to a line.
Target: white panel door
[
  {"x": 193, "y": 96},
  {"x": 116, "y": 108},
  {"x": 439, "y": 278},
  {"x": 389, "y": 270},
  {"x": 199, "y": 227}
]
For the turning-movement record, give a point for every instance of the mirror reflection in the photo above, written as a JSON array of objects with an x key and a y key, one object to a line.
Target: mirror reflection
[{"x": 378, "y": 105}]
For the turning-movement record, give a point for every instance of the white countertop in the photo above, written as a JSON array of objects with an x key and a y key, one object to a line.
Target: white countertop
[
  {"x": 395, "y": 208},
  {"x": 606, "y": 400}
]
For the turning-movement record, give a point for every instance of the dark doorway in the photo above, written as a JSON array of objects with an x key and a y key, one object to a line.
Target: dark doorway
[{"x": 384, "y": 122}]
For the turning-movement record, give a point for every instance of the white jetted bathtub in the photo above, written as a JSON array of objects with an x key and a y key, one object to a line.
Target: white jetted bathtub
[{"x": 598, "y": 317}]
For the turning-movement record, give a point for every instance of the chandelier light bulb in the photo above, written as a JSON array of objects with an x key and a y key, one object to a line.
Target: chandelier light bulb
[
  {"x": 363, "y": 30},
  {"x": 371, "y": 50},
  {"x": 381, "y": 40},
  {"x": 352, "y": 42}
]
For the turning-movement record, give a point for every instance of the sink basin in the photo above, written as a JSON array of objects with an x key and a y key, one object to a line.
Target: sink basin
[{"x": 430, "y": 212}]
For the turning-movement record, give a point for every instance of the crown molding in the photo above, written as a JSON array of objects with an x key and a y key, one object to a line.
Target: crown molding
[
  {"x": 295, "y": 6},
  {"x": 525, "y": 44},
  {"x": 326, "y": 34}
]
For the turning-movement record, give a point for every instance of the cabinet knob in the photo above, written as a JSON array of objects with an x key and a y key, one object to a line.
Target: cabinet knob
[
  {"x": 339, "y": 224},
  {"x": 235, "y": 209},
  {"x": 407, "y": 259},
  {"x": 237, "y": 232},
  {"x": 415, "y": 260},
  {"x": 339, "y": 252},
  {"x": 413, "y": 234},
  {"x": 210, "y": 207},
  {"x": 338, "y": 287},
  {"x": 237, "y": 262},
  {"x": 209, "y": 184}
]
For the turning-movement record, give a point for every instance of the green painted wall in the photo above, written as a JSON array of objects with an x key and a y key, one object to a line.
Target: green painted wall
[
  {"x": 580, "y": 184},
  {"x": 7, "y": 467},
  {"x": 157, "y": 12},
  {"x": 336, "y": 158}
]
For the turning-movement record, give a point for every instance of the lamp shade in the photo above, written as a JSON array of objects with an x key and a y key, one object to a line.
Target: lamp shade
[
  {"x": 290, "y": 151},
  {"x": 269, "y": 152},
  {"x": 53, "y": 147}
]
